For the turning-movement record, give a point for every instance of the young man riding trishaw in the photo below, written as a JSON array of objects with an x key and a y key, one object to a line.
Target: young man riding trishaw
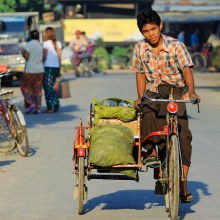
[{"x": 162, "y": 63}]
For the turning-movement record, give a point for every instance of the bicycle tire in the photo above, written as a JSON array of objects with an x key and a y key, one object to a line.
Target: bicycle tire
[
  {"x": 7, "y": 144},
  {"x": 91, "y": 115},
  {"x": 199, "y": 61},
  {"x": 173, "y": 177},
  {"x": 81, "y": 183},
  {"x": 21, "y": 135}
]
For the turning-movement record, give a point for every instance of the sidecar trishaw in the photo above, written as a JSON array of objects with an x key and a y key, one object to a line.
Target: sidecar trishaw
[{"x": 86, "y": 169}]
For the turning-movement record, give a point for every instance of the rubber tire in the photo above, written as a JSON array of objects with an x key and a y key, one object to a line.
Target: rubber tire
[
  {"x": 81, "y": 182},
  {"x": 91, "y": 116},
  {"x": 21, "y": 138},
  {"x": 174, "y": 178},
  {"x": 6, "y": 146},
  {"x": 24, "y": 148},
  {"x": 199, "y": 61}
]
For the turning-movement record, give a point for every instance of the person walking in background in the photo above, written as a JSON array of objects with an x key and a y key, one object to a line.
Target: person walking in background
[
  {"x": 181, "y": 36},
  {"x": 76, "y": 44},
  {"x": 194, "y": 40},
  {"x": 32, "y": 79},
  {"x": 52, "y": 64},
  {"x": 90, "y": 44}
]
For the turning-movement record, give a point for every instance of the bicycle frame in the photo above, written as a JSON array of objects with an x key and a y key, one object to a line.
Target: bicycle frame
[
  {"x": 4, "y": 102},
  {"x": 15, "y": 123},
  {"x": 171, "y": 128},
  {"x": 79, "y": 146}
]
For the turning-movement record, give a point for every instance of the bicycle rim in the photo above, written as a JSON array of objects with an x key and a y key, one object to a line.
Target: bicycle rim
[
  {"x": 21, "y": 136},
  {"x": 173, "y": 178},
  {"x": 7, "y": 144},
  {"x": 199, "y": 62}
]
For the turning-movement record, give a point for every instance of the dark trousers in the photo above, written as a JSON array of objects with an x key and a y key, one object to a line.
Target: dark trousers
[
  {"x": 50, "y": 76},
  {"x": 154, "y": 119}
]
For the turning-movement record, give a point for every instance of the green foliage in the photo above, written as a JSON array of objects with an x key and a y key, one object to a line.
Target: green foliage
[
  {"x": 121, "y": 55},
  {"x": 26, "y": 5},
  {"x": 216, "y": 57},
  {"x": 67, "y": 67},
  {"x": 104, "y": 57},
  {"x": 119, "y": 51},
  {"x": 99, "y": 42},
  {"x": 21, "y": 5},
  {"x": 7, "y": 5}
]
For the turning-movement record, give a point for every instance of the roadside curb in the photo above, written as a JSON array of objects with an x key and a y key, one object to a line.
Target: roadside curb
[{"x": 119, "y": 71}]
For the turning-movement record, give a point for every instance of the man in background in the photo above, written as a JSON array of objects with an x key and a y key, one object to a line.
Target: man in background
[
  {"x": 194, "y": 40},
  {"x": 77, "y": 44}
]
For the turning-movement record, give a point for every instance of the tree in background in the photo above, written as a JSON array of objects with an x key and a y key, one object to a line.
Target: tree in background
[
  {"x": 26, "y": 5},
  {"x": 21, "y": 5},
  {"x": 7, "y": 5}
]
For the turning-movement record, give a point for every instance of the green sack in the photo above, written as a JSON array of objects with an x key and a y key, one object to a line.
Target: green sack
[
  {"x": 112, "y": 145},
  {"x": 114, "y": 108}
]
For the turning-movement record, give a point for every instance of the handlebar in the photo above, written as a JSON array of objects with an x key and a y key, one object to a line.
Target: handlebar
[{"x": 193, "y": 101}]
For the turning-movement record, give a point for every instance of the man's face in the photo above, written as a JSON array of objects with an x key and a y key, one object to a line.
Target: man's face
[
  {"x": 152, "y": 32},
  {"x": 78, "y": 34}
]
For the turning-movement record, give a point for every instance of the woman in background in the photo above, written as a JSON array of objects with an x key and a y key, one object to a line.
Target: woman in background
[
  {"x": 32, "y": 79},
  {"x": 52, "y": 63}
]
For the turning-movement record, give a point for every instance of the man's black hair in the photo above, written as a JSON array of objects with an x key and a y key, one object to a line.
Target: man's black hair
[
  {"x": 147, "y": 17},
  {"x": 34, "y": 35}
]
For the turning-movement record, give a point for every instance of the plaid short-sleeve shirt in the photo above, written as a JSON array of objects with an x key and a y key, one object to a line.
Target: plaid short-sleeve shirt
[{"x": 166, "y": 67}]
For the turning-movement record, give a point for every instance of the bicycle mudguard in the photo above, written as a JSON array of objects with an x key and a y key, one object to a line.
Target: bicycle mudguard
[{"x": 21, "y": 118}]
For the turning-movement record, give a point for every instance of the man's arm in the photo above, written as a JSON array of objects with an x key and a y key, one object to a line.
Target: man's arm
[
  {"x": 189, "y": 80},
  {"x": 141, "y": 86}
]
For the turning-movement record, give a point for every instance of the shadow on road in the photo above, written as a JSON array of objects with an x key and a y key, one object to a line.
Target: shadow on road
[
  {"x": 65, "y": 114},
  {"x": 6, "y": 162},
  {"x": 32, "y": 151},
  {"x": 145, "y": 199},
  {"x": 200, "y": 191},
  {"x": 125, "y": 199}
]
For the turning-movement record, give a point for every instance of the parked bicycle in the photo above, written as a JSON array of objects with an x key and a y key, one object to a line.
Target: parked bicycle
[
  {"x": 201, "y": 59},
  {"x": 13, "y": 131}
]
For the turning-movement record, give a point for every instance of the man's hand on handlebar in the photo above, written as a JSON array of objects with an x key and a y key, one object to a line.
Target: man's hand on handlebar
[
  {"x": 193, "y": 96},
  {"x": 186, "y": 96},
  {"x": 137, "y": 104}
]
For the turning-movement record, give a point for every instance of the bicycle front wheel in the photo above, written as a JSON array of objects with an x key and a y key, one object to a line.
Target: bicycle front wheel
[
  {"x": 81, "y": 183},
  {"x": 20, "y": 136},
  {"x": 173, "y": 177}
]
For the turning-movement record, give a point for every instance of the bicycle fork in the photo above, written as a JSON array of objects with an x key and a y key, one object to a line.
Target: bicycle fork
[
  {"x": 174, "y": 130},
  {"x": 80, "y": 148}
]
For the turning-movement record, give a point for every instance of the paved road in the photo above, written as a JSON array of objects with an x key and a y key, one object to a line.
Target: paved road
[{"x": 40, "y": 187}]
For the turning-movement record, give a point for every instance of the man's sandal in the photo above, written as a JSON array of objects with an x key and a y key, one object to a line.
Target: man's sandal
[{"x": 186, "y": 198}]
